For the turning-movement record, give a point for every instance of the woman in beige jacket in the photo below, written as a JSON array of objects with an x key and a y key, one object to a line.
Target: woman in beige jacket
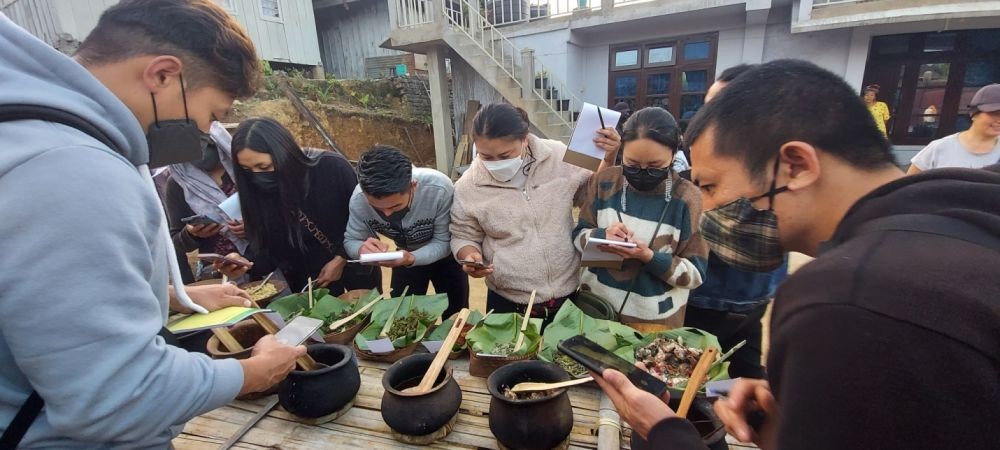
[{"x": 513, "y": 212}]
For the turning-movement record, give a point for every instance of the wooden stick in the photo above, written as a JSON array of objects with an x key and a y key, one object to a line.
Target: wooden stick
[
  {"x": 310, "y": 286},
  {"x": 696, "y": 379},
  {"x": 305, "y": 361},
  {"x": 250, "y": 424},
  {"x": 531, "y": 387},
  {"x": 524, "y": 323},
  {"x": 227, "y": 340},
  {"x": 442, "y": 355},
  {"x": 388, "y": 322},
  {"x": 342, "y": 322}
]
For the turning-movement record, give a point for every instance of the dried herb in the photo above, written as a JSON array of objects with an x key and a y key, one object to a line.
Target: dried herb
[{"x": 511, "y": 395}]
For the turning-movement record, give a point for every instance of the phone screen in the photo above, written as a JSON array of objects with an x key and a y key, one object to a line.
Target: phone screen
[
  {"x": 298, "y": 330},
  {"x": 597, "y": 358}
]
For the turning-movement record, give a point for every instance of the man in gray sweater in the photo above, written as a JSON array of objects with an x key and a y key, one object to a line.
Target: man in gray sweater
[
  {"x": 85, "y": 256},
  {"x": 411, "y": 206}
]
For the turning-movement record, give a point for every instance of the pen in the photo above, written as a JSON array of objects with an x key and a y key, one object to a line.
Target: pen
[
  {"x": 620, "y": 215},
  {"x": 600, "y": 117}
]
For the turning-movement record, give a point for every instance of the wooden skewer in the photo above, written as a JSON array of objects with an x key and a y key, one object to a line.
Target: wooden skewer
[
  {"x": 532, "y": 387},
  {"x": 227, "y": 340},
  {"x": 342, "y": 322},
  {"x": 427, "y": 382},
  {"x": 310, "y": 286},
  {"x": 388, "y": 322},
  {"x": 696, "y": 379},
  {"x": 524, "y": 323}
]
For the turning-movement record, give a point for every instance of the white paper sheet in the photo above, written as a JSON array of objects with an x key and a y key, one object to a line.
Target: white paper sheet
[
  {"x": 582, "y": 142},
  {"x": 379, "y": 257},
  {"x": 433, "y": 346},
  {"x": 231, "y": 206},
  {"x": 380, "y": 346}
]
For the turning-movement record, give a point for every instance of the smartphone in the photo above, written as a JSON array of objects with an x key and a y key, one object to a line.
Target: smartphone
[
  {"x": 199, "y": 219},
  {"x": 476, "y": 264},
  {"x": 597, "y": 358},
  {"x": 215, "y": 257},
  {"x": 298, "y": 330}
]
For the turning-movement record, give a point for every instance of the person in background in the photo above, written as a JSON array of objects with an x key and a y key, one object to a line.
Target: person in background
[
  {"x": 411, "y": 206},
  {"x": 81, "y": 324},
  {"x": 644, "y": 201},
  {"x": 295, "y": 210},
  {"x": 977, "y": 147},
  {"x": 863, "y": 324},
  {"x": 732, "y": 301},
  {"x": 878, "y": 110},
  {"x": 197, "y": 188},
  {"x": 513, "y": 212}
]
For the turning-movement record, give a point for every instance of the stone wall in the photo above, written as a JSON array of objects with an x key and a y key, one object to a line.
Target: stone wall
[{"x": 414, "y": 93}]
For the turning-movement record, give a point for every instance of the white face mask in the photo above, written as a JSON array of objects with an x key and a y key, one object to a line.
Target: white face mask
[{"x": 504, "y": 170}]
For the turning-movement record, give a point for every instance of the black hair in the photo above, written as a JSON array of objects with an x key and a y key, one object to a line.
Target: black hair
[
  {"x": 213, "y": 46},
  {"x": 790, "y": 100},
  {"x": 656, "y": 124},
  {"x": 731, "y": 73},
  {"x": 503, "y": 121},
  {"x": 384, "y": 171},
  {"x": 263, "y": 213},
  {"x": 500, "y": 121}
]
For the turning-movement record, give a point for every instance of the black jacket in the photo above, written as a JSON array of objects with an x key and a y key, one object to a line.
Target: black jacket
[{"x": 891, "y": 339}]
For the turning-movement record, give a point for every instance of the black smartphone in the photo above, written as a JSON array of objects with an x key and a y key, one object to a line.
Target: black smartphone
[
  {"x": 475, "y": 264},
  {"x": 597, "y": 358},
  {"x": 198, "y": 220},
  {"x": 214, "y": 257}
]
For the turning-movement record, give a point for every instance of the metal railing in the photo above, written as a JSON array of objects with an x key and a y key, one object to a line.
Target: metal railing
[
  {"x": 411, "y": 13},
  {"x": 530, "y": 74}
]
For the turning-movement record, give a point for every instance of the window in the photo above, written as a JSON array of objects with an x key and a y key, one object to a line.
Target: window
[
  {"x": 928, "y": 79},
  {"x": 659, "y": 55},
  {"x": 228, "y": 5},
  {"x": 270, "y": 9},
  {"x": 626, "y": 59},
  {"x": 673, "y": 75}
]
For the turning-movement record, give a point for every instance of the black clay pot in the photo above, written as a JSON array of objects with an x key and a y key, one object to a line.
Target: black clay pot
[
  {"x": 705, "y": 421},
  {"x": 323, "y": 391},
  {"x": 539, "y": 424},
  {"x": 418, "y": 415}
]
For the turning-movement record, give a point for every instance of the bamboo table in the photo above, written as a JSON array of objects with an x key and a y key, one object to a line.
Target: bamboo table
[{"x": 362, "y": 427}]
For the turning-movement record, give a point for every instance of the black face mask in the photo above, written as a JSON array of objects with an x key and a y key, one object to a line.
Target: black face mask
[
  {"x": 209, "y": 155},
  {"x": 645, "y": 179},
  {"x": 396, "y": 218},
  {"x": 266, "y": 182},
  {"x": 173, "y": 141}
]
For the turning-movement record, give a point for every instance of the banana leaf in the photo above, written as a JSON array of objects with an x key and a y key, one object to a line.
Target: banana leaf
[
  {"x": 441, "y": 332},
  {"x": 331, "y": 309},
  {"x": 692, "y": 337},
  {"x": 293, "y": 305},
  {"x": 504, "y": 328},
  {"x": 432, "y": 305},
  {"x": 571, "y": 321}
]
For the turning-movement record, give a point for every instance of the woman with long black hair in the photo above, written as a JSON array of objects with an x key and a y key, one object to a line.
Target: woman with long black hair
[{"x": 295, "y": 209}]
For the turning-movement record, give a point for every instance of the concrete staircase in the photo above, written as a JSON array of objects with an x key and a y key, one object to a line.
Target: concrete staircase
[{"x": 515, "y": 73}]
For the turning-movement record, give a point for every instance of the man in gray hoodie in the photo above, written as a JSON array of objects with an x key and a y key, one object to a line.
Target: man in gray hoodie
[{"x": 84, "y": 253}]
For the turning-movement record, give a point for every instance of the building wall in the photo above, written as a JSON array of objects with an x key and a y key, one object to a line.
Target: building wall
[
  {"x": 348, "y": 36},
  {"x": 290, "y": 40},
  {"x": 467, "y": 84}
]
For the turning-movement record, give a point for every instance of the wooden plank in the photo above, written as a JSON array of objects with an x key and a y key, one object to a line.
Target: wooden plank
[{"x": 363, "y": 426}]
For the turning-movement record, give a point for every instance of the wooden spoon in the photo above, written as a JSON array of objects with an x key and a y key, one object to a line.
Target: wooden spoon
[
  {"x": 442, "y": 355},
  {"x": 532, "y": 387},
  {"x": 524, "y": 323},
  {"x": 696, "y": 379}
]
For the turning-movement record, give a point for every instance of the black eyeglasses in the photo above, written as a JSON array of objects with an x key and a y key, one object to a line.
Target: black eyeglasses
[{"x": 655, "y": 172}]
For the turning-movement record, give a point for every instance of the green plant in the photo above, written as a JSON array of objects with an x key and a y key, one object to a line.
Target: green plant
[{"x": 265, "y": 68}]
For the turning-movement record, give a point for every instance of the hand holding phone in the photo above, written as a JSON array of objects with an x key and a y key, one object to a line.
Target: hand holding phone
[
  {"x": 597, "y": 358},
  {"x": 215, "y": 257},
  {"x": 198, "y": 219},
  {"x": 474, "y": 264},
  {"x": 298, "y": 330}
]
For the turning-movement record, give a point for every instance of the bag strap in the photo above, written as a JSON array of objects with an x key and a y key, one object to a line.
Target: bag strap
[
  {"x": 927, "y": 224},
  {"x": 656, "y": 231},
  {"x": 318, "y": 234}
]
